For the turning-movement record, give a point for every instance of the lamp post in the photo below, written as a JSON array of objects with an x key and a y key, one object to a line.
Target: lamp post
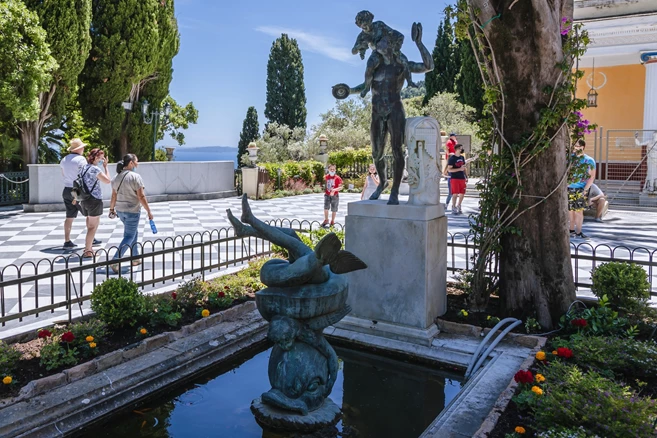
[
  {"x": 592, "y": 95},
  {"x": 154, "y": 118}
]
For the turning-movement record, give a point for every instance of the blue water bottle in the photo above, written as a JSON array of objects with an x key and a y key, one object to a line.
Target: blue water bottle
[{"x": 153, "y": 228}]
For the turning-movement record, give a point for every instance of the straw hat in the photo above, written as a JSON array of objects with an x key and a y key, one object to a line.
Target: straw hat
[{"x": 76, "y": 144}]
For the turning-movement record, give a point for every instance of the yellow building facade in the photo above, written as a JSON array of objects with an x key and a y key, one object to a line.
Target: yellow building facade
[{"x": 621, "y": 67}]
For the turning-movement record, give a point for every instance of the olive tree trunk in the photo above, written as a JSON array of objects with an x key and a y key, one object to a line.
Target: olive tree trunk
[
  {"x": 30, "y": 131},
  {"x": 535, "y": 267}
]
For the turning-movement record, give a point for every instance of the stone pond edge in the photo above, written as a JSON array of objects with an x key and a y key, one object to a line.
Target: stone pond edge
[
  {"x": 536, "y": 343},
  {"x": 242, "y": 328}
]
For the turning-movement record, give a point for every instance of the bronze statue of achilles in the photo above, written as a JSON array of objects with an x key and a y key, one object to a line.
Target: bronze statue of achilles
[{"x": 387, "y": 80}]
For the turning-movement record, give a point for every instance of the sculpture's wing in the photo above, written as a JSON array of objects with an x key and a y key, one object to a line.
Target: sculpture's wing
[
  {"x": 328, "y": 248},
  {"x": 321, "y": 322},
  {"x": 346, "y": 262}
]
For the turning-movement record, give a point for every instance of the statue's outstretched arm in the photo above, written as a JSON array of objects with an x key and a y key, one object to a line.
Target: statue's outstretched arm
[{"x": 427, "y": 60}]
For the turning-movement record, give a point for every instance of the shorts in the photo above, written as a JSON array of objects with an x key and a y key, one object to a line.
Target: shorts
[
  {"x": 331, "y": 202},
  {"x": 457, "y": 186},
  {"x": 71, "y": 209},
  {"x": 576, "y": 200},
  {"x": 92, "y": 207}
]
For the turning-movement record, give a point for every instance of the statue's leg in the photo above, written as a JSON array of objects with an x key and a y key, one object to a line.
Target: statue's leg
[
  {"x": 275, "y": 235},
  {"x": 397, "y": 127},
  {"x": 378, "y": 134}
]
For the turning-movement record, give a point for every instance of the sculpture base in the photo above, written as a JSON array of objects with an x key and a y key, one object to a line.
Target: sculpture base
[
  {"x": 391, "y": 331},
  {"x": 273, "y": 418},
  {"x": 403, "y": 289}
]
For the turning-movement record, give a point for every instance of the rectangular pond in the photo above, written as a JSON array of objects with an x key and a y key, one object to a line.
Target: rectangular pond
[{"x": 379, "y": 397}]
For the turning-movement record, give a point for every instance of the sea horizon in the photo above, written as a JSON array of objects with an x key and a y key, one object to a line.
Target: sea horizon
[{"x": 205, "y": 153}]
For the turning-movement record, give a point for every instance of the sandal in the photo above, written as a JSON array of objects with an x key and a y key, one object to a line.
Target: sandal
[
  {"x": 136, "y": 262},
  {"x": 88, "y": 255}
]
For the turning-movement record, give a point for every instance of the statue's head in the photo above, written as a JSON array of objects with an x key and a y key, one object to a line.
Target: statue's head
[
  {"x": 364, "y": 20},
  {"x": 283, "y": 331}
]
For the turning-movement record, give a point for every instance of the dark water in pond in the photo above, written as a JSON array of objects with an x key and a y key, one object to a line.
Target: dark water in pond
[{"x": 379, "y": 398}]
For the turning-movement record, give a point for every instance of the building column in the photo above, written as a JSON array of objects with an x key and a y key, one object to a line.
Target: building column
[{"x": 649, "y": 190}]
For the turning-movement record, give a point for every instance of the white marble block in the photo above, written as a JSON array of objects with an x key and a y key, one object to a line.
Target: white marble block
[
  {"x": 422, "y": 137},
  {"x": 403, "y": 289}
]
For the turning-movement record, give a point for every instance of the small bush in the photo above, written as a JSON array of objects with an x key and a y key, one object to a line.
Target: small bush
[
  {"x": 163, "y": 310},
  {"x": 118, "y": 303},
  {"x": 624, "y": 358},
  {"x": 625, "y": 284},
  {"x": 54, "y": 355},
  {"x": 601, "y": 320},
  {"x": 599, "y": 405},
  {"x": 9, "y": 358}
]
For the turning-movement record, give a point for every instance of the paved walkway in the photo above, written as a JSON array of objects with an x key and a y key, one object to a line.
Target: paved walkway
[{"x": 29, "y": 238}]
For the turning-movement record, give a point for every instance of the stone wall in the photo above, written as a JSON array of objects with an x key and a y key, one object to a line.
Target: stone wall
[{"x": 164, "y": 181}]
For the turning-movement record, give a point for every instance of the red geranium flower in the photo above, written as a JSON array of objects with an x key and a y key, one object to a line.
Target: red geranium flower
[
  {"x": 174, "y": 295},
  {"x": 68, "y": 337},
  {"x": 221, "y": 294},
  {"x": 564, "y": 352},
  {"x": 579, "y": 322},
  {"x": 45, "y": 333},
  {"x": 524, "y": 377}
]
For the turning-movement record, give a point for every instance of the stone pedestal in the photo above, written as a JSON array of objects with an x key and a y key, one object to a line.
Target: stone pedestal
[
  {"x": 403, "y": 289},
  {"x": 250, "y": 181}
]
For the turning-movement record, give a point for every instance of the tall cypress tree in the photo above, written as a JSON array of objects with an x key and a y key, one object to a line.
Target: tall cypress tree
[
  {"x": 286, "y": 93},
  {"x": 469, "y": 84},
  {"x": 133, "y": 42},
  {"x": 67, "y": 24},
  {"x": 250, "y": 132},
  {"x": 446, "y": 62}
]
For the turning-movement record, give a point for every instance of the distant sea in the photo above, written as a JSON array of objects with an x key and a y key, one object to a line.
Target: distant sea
[{"x": 205, "y": 153}]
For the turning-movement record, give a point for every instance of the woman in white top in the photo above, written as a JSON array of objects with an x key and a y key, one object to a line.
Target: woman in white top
[
  {"x": 128, "y": 197},
  {"x": 371, "y": 183}
]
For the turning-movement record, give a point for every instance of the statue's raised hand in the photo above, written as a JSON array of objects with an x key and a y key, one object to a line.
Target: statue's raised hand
[{"x": 416, "y": 32}]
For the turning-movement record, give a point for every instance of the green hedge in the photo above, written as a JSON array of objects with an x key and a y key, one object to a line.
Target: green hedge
[
  {"x": 310, "y": 172},
  {"x": 348, "y": 157}
]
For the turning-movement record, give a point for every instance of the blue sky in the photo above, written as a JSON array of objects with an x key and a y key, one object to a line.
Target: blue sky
[{"x": 224, "y": 48}]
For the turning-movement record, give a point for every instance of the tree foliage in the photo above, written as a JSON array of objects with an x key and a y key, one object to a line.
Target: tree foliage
[
  {"x": 133, "y": 43},
  {"x": 250, "y": 132},
  {"x": 67, "y": 24},
  {"x": 180, "y": 117},
  {"x": 409, "y": 92},
  {"x": 281, "y": 143},
  {"x": 26, "y": 63},
  {"x": 286, "y": 92},
  {"x": 446, "y": 61},
  {"x": 469, "y": 86}
]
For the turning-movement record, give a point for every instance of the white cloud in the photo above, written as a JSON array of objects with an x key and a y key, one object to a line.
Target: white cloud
[{"x": 313, "y": 43}]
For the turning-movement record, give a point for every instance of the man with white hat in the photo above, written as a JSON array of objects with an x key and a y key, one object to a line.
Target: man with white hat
[{"x": 71, "y": 165}]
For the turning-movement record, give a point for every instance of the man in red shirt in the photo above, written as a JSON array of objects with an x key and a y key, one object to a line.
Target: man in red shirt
[
  {"x": 331, "y": 200},
  {"x": 449, "y": 151}
]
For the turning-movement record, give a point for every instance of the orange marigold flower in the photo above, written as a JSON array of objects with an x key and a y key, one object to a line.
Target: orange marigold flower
[
  {"x": 536, "y": 390},
  {"x": 520, "y": 430},
  {"x": 555, "y": 352},
  {"x": 205, "y": 313},
  {"x": 540, "y": 378},
  {"x": 540, "y": 355},
  {"x": 89, "y": 339},
  {"x": 92, "y": 345},
  {"x": 7, "y": 380},
  {"x": 143, "y": 331}
]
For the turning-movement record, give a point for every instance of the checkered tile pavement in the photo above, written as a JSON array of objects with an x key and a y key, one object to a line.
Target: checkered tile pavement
[{"x": 30, "y": 238}]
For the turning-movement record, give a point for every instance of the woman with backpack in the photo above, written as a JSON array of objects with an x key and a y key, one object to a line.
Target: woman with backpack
[
  {"x": 91, "y": 196},
  {"x": 128, "y": 197}
]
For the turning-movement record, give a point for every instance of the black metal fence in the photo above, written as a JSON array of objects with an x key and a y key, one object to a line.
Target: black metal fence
[
  {"x": 65, "y": 282},
  {"x": 14, "y": 188},
  {"x": 585, "y": 258},
  {"x": 360, "y": 167}
]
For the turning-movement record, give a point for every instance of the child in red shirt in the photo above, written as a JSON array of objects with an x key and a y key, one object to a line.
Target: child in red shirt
[{"x": 331, "y": 200}]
